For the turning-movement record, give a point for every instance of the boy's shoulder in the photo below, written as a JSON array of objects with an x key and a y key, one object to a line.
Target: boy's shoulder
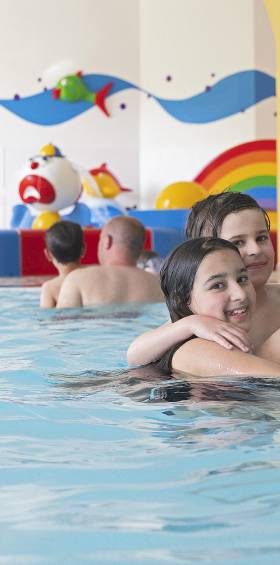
[
  {"x": 50, "y": 291},
  {"x": 273, "y": 292},
  {"x": 51, "y": 283}
]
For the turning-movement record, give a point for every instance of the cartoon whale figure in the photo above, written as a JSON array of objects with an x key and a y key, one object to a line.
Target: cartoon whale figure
[
  {"x": 71, "y": 88},
  {"x": 49, "y": 183},
  {"x": 108, "y": 185}
]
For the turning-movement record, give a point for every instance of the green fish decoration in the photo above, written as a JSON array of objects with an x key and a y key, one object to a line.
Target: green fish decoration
[{"x": 72, "y": 89}]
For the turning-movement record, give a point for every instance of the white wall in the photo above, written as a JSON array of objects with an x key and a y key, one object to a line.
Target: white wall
[
  {"x": 141, "y": 41},
  {"x": 48, "y": 41},
  {"x": 190, "y": 42}
]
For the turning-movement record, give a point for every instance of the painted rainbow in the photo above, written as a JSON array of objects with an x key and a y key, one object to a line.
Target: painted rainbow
[{"x": 249, "y": 167}]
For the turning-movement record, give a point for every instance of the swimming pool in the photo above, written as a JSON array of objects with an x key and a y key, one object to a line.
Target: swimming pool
[{"x": 106, "y": 467}]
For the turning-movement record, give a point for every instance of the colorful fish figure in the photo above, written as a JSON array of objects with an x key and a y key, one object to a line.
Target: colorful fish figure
[
  {"x": 71, "y": 88},
  {"x": 108, "y": 185}
]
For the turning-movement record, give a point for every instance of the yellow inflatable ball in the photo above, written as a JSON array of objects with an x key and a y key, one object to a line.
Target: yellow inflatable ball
[
  {"x": 45, "y": 220},
  {"x": 182, "y": 194}
]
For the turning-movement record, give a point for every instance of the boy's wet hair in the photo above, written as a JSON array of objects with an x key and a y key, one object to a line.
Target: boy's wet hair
[
  {"x": 65, "y": 241},
  {"x": 207, "y": 216},
  {"x": 179, "y": 270}
]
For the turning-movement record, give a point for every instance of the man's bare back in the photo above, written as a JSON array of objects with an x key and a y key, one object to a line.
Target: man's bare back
[{"x": 107, "y": 284}]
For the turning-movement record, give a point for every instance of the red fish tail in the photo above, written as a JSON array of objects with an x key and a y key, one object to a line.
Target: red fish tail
[{"x": 100, "y": 98}]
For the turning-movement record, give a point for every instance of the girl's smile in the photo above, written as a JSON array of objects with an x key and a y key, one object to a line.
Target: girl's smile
[{"x": 222, "y": 289}]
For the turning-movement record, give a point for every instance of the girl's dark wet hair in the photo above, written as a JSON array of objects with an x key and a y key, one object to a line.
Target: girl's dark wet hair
[
  {"x": 179, "y": 269},
  {"x": 207, "y": 216},
  {"x": 65, "y": 241}
]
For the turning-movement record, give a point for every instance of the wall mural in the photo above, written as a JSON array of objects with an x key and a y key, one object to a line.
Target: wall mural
[
  {"x": 248, "y": 167},
  {"x": 75, "y": 94}
]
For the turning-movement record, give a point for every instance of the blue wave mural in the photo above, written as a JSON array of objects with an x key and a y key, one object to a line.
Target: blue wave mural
[{"x": 227, "y": 97}]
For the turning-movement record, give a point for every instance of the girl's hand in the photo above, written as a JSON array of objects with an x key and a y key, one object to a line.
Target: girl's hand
[{"x": 224, "y": 333}]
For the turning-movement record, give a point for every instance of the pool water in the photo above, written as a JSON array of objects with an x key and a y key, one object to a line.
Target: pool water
[{"x": 104, "y": 466}]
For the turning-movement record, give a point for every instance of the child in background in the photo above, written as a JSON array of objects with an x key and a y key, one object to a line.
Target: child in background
[
  {"x": 150, "y": 261},
  {"x": 64, "y": 249}
]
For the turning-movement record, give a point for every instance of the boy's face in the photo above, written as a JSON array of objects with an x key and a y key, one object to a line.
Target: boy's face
[{"x": 247, "y": 230}]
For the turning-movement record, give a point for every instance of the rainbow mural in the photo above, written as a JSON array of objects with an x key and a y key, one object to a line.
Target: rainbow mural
[{"x": 249, "y": 167}]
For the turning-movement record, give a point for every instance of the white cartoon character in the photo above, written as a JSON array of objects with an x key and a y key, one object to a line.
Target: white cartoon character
[{"x": 49, "y": 183}]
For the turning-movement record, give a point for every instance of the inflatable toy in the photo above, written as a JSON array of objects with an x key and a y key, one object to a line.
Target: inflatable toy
[
  {"x": 48, "y": 183},
  {"x": 101, "y": 188},
  {"x": 102, "y": 210},
  {"x": 45, "y": 220},
  {"x": 71, "y": 88},
  {"x": 180, "y": 195},
  {"x": 101, "y": 182},
  {"x": 50, "y": 187}
]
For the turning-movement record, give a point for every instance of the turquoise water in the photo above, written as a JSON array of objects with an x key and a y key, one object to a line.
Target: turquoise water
[{"x": 106, "y": 467}]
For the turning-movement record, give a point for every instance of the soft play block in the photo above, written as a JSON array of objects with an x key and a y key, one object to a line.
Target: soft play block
[
  {"x": 91, "y": 238},
  {"x": 9, "y": 253},
  {"x": 33, "y": 260},
  {"x": 175, "y": 219},
  {"x": 149, "y": 239},
  {"x": 164, "y": 240}
]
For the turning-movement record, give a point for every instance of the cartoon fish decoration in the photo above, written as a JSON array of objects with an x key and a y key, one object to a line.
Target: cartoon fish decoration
[
  {"x": 108, "y": 185},
  {"x": 71, "y": 88}
]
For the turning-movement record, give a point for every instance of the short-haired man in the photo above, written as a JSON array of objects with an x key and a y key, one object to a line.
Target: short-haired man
[{"x": 117, "y": 279}]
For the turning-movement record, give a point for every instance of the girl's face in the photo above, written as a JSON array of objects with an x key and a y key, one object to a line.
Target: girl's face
[
  {"x": 222, "y": 289},
  {"x": 247, "y": 230}
]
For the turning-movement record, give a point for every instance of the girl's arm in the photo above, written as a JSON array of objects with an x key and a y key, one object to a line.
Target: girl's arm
[
  {"x": 151, "y": 345},
  {"x": 204, "y": 358}
]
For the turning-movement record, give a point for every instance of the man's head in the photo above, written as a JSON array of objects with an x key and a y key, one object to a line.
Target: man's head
[
  {"x": 65, "y": 242},
  {"x": 121, "y": 241}
]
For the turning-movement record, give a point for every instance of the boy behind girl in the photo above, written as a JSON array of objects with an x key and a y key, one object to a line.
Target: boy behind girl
[{"x": 64, "y": 249}]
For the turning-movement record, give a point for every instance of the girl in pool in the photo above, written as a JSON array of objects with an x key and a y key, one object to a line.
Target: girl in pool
[
  {"x": 207, "y": 276},
  {"x": 238, "y": 218}
]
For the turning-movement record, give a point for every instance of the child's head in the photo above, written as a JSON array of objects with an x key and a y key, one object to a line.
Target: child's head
[
  {"x": 239, "y": 218},
  {"x": 207, "y": 276},
  {"x": 65, "y": 242},
  {"x": 207, "y": 216},
  {"x": 150, "y": 261}
]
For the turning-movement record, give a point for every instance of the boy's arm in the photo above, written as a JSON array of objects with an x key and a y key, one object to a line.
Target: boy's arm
[
  {"x": 70, "y": 295},
  {"x": 270, "y": 348},
  {"x": 47, "y": 299},
  {"x": 202, "y": 358},
  {"x": 151, "y": 345}
]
